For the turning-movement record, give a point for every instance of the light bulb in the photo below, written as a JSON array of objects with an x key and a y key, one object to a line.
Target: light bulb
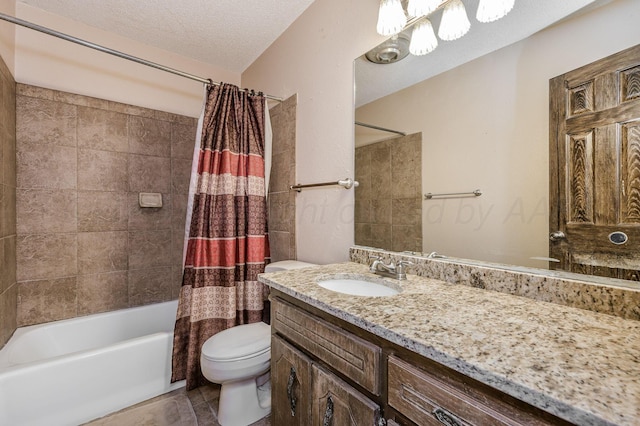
[
  {"x": 454, "y": 22},
  {"x": 492, "y": 10},
  {"x": 417, "y": 8},
  {"x": 423, "y": 39},
  {"x": 391, "y": 17}
]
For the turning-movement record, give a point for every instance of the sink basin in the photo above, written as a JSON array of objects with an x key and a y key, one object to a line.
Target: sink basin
[{"x": 358, "y": 287}]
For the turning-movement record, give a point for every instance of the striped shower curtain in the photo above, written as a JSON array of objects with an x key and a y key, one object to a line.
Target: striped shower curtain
[{"x": 227, "y": 243}]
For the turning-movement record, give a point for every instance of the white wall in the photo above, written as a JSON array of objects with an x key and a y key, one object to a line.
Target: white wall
[
  {"x": 313, "y": 58},
  {"x": 7, "y": 35},
  {"x": 485, "y": 125},
  {"x": 49, "y": 62}
]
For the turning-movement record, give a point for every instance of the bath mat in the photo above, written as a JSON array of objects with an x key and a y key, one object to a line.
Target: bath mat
[{"x": 172, "y": 411}]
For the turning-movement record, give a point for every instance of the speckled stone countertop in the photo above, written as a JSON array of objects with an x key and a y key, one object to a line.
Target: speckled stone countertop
[{"x": 579, "y": 365}]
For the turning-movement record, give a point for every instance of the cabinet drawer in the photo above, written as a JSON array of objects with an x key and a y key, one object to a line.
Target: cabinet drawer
[
  {"x": 427, "y": 400},
  {"x": 357, "y": 359}
]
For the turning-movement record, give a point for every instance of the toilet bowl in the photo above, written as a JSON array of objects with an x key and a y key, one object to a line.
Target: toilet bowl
[{"x": 237, "y": 359}]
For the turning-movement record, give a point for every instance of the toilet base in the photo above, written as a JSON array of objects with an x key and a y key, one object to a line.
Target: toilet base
[{"x": 239, "y": 403}]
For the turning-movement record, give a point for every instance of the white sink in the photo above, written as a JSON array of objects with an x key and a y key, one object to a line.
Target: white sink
[{"x": 358, "y": 287}]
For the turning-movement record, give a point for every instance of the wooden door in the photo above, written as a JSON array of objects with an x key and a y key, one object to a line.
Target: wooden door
[
  {"x": 290, "y": 385},
  {"x": 594, "y": 134},
  {"x": 336, "y": 403}
]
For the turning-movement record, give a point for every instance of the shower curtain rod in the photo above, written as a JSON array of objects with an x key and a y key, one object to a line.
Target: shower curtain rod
[
  {"x": 117, "y": 53},
  {"x": 384, "y": 129}
]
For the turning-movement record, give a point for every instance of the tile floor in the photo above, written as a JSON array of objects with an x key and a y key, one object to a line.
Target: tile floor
[{"x": 204, "y": 401}]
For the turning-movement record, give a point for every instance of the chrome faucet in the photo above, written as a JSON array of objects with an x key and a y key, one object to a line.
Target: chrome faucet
[
  {"x": 390, "y": 270},
  {"x": 435, "y": 255}
]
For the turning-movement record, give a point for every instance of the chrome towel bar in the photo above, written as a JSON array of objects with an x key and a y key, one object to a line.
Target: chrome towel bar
[
  {"x": 476, "y": 193},
  {"x": 345, "y": 183}
]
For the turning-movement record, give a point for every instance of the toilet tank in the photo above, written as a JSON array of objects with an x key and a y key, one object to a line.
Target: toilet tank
[{"x": 285, "y": 265}]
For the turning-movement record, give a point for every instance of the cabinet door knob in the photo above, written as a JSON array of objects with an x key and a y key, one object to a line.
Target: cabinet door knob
[
  {"x": 328, "y": 412},
  {"x": 292, "y": 399},
  {"x": 446, "y": 418}
]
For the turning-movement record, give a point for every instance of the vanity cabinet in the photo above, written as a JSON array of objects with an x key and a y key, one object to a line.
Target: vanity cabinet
[
  {"x": 330, "y": 373},
  {"x": 305, "y": 387}
]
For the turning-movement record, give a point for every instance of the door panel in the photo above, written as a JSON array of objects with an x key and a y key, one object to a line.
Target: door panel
[
  {"x": 336, "y": 403},
  {"x": 290, "y": 384},
  {"x": 594, "y": 153}
]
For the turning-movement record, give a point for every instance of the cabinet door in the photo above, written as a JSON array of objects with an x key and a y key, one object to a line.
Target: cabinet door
[
  {"x": 290, "y": 384},
  {"x": 335, "y": 403}
]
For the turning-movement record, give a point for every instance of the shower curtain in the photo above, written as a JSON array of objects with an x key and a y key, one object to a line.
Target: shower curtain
[{"x": 227, "y": 244}]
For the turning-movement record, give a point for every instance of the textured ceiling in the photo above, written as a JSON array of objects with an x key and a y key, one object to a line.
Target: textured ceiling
[{"x": 229, "y": 34}]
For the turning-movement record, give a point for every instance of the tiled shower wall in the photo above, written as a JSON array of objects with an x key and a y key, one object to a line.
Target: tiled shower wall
[
  {"x": 83, "y": 243},
  {"x": 388, "y": 211},
  {"x": 282, "y": 208},
  {"x": 8, "y": 286}
]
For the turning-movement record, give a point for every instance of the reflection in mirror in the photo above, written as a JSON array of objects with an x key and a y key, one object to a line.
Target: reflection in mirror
[{"x": 484, "y": 124}]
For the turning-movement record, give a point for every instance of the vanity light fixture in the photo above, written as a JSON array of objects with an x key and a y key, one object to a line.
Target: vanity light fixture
[
  {"x": 392, "y": 19},
  {"x": 423, "y": 39},
  {"x": 454, "y": 22},
  {"x": 417, "y": 8},
  {"x": 492, "y": 10}
]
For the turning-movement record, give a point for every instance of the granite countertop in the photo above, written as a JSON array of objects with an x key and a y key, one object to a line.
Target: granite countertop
[{"x": 579, "y": 365}]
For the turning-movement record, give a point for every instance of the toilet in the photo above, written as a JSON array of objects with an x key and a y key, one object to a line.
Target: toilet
[{"x": 239, "y": 359}]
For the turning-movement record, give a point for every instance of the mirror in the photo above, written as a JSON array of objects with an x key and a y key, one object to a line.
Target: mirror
[{"x": 481, "y": 109}]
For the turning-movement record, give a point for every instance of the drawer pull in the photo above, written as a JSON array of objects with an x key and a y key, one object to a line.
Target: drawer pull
[
  {"x": 446, "y": 418},
  {"x": 292, "y": 399},
  {"x": 328, "y": 412}
]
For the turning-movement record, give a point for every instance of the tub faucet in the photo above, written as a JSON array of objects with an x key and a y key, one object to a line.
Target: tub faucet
[{"x": 390, "y": 270}]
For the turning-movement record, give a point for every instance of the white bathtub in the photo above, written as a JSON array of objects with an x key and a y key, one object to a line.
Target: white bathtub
[{"x": 72, "y": 371}]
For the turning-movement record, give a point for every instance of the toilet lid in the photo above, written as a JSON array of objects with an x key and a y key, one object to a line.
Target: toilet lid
[{"x": 242, "y": 341}]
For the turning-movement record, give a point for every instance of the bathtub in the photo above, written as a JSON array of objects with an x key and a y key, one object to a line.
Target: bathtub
[{"x": 71, "y": 371}]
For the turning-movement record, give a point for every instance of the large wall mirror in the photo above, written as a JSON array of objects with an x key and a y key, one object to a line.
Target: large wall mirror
[{"x": 476, "y": 111}]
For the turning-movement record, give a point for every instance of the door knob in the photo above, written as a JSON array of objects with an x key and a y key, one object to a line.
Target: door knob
[{"x": 557, "y": 236}]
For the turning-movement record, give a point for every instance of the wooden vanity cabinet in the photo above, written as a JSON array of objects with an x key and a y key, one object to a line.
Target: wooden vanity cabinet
[{"x": 330, "y": 373}]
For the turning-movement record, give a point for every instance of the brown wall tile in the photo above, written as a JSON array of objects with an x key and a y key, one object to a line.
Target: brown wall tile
[
  {"x": 180, "y": 175},
  {"x": 46, "y": 210},
  {"x": 43, "y": 256},
  {"x": 46, "y": 300},
  {"x": 150, "y": 286},
  {"x": 82, "y": 232},
  {"x": 149, "y": 174},
  {"x": 102, "y": 292},
  {"x": 149, "y": 137},
  {"x": 44, "y": 122},
  {"x": 8, "y": 208},
  {"x": 103, "y": 130},
  {"x": 183, "y": 138},
  {"x": 389, "y": 216},
  {"x": 102, "y": 170},
  {"x": 149, "y": 249},
  {"x": 8, "y": 313},
  {"x": 102, "y": 252},
  {"x": 8, "y": 286},
  {"x": 8, "y": 162},
  {"x": 8, "y": 259},
  {"x": 46, "y": 166},
  {"x": 102, "y": 211}
]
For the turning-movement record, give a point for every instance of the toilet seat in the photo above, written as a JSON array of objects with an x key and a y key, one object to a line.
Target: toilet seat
[{"x": 238, "y": 343}]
